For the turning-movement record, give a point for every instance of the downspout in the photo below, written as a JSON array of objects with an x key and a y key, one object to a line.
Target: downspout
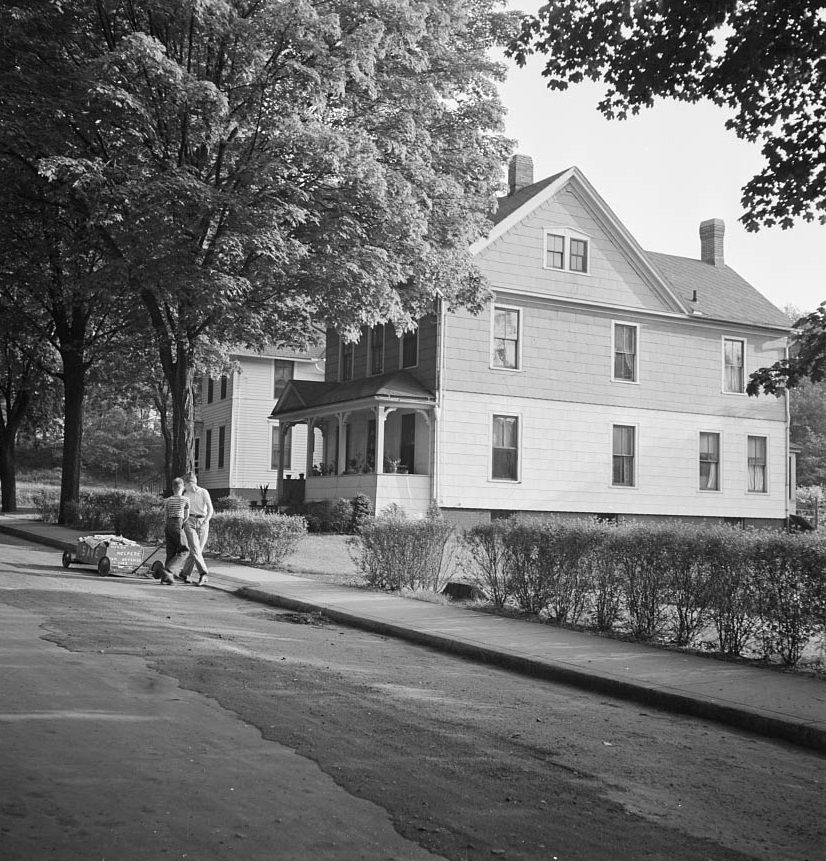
[
  {"x": 437, "y": 409},
  {"x": 234, "y": 429},
  {"x": 788, "y": 490}
]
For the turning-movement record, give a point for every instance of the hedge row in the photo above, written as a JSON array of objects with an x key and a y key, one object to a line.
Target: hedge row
[
  {"x": 752, "y": 590},
  {"x": 259, "y": 537}
]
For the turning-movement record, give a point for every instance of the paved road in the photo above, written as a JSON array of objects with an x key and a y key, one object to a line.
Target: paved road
[{"x": 140, "y": 722}]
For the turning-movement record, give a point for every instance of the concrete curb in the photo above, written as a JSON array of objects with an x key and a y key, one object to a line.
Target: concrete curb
[{"x": 797, "y": 732}]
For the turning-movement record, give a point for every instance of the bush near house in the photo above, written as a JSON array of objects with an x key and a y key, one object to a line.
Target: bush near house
[
  {"x": 394, "y": 552},
  {"x": 758, "y": 591},
  {"x": 253, "y": 535}
]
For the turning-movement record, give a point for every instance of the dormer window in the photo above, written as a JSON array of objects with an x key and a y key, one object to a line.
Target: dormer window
[{"x": 567, "y": 250}]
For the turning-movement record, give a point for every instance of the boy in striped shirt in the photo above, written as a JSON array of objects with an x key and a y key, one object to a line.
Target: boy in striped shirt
[{"x": 176, "y": 511}]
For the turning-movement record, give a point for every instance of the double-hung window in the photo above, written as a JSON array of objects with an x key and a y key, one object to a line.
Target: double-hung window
[
  {"x": 709, "y": 461},
  {"x": 222, "y": 436},
  {"x": 505, "y": 338},
  {"x": 734, "y": 352},
  {"x": 567, "y": 250},
  {"x": 377, "y": 350},
  {"x": 623, "y": 455},
  {"x": 757, "y": 464},
  {"x": 579, "y": 255},
  {"x": 505, "y": 448},
  {"x": 625, "y": 352}
]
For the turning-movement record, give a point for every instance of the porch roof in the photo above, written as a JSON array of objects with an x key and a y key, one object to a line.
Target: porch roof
[{"x": 301, "y": 396}]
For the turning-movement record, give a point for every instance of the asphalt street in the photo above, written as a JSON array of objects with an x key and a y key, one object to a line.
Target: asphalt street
[{"x": 142, "y": 722}]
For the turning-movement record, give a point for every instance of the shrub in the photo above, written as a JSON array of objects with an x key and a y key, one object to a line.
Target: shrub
[
  {"x": 735, "y": 599},
  {"x": 329, "y": 515},
  {"x": 230, "y": 502},
  {"x": 639, "y": 551},
  {"x": 361, "y": 508},
  {"x": 604, "y": 577},
  {"x": 394, "y": 552},
  {"x": 491, "y": 560},
  {"x": 789, "y": 572},
  {"x": 690, "y": 574},
  {"x": 253, "y": 535}
]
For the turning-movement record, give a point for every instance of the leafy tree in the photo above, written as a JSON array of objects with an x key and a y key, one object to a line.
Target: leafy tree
[
  {"x": 252, "y": 166},
  {"x": 763, "y": 59}
]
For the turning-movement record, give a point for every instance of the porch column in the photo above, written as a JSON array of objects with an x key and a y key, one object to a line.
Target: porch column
[
  {"x": 283, "y": 428},
  {"x": 381, "y": 415},
  {"x": 430, "y": 441},
  {"x": 342, "y": 444},
  {"x": 308, "y": 471}
]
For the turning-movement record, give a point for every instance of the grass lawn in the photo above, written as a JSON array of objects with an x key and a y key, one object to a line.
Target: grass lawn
[{"x": 322, "y": 557}]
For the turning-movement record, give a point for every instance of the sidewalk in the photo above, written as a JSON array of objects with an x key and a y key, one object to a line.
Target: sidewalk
[{"x": 774, "y": 704}]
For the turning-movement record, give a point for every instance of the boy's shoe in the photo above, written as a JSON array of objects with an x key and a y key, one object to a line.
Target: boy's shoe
[
  {"x": 202, "y": 580},
  {"x": 166, "y": 580}
]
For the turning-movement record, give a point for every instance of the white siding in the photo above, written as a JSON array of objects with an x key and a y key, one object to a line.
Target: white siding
[
  {"x": 565, "y": 460},
  {"x": 250, "y": 443}
]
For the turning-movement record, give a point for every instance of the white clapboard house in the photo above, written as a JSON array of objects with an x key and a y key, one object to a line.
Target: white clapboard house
[
  {"x": 600, "y": 379},
  {"x": 238, "y": 448}
]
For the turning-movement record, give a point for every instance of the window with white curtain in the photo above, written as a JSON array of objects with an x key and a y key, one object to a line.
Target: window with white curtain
[
  {"x": 625, "y": 352},
  {"x": 757, "y": 464},
  {"x": 623, "y": 455},
  {"x": 734, "y": 351},
  {"x": 709, "y": 461}
]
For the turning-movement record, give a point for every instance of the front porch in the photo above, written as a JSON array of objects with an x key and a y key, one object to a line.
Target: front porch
[{"x": 379, "y": 444}]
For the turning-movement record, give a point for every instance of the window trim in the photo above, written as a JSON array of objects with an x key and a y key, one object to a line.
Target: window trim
[
  {"x": 636, "y": 327},
  {"x": 719, "y": 435},
  {"x": 503, "y": 415},
  {"x": 519, "y": 339},
  {"x": 765, "y": 439},
  {"x": 636, "y": 457},
  {"x": 567, "y": 234},
  {"x": 744, "y": 342},
  {"x": 402, "y": 365},
  {"x": 370, "y": 332}
]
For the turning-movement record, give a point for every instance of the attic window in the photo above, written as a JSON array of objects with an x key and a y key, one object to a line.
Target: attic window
[{"x": 566, "y": 250}]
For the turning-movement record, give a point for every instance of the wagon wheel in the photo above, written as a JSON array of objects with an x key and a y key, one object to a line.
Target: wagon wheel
[
  {"x": 104, "y": 565},
  {"x": 157, "y": 569},
  {"x": 67, "y": 559}
]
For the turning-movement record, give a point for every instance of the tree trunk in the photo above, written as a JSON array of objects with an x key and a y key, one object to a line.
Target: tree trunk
[
  {"x": 8, "y": 473},
  {"x": 74, "y": 392},
  {"x": 162, "y": 405},
  {"x": 8, "y": 442},
  {"x": 183, "y": 414}
]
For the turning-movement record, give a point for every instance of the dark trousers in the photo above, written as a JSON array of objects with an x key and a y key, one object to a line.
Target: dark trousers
[{"x": 176, "y": 548}]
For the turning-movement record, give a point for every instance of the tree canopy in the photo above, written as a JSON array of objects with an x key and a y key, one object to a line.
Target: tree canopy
[
  {"x": 251, "y": 167},
  {"x": 763, "y": 59}
]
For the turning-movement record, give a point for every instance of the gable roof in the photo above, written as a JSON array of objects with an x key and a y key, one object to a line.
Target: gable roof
[
  {"x": 309, "y": 394},
  {"x": 723, "y": 295}
]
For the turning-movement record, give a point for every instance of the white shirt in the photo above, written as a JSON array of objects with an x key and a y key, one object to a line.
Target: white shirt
[{"x": 200, "y": 503}]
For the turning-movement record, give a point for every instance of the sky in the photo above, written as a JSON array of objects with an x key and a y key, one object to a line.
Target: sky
[{"x": 662, "y": 173}]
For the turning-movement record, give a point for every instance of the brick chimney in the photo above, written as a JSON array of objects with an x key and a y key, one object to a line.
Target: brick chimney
[
  {"x": 520, "y": 173},
  {"x": 711, "y": 241}
]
